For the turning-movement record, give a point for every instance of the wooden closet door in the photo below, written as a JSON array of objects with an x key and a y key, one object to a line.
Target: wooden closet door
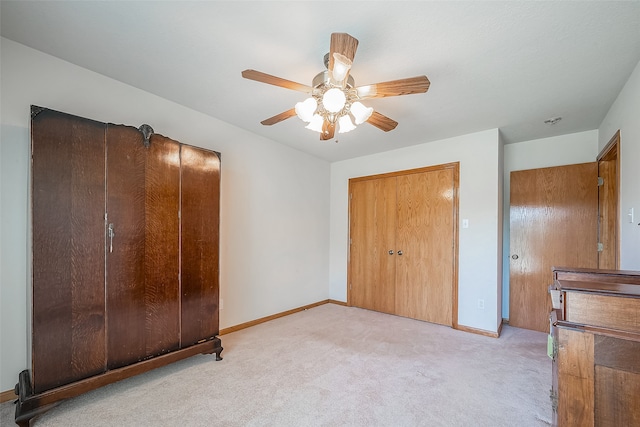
[
  {"x": 68, "y": 248},
  {"x": 425, "y": 235},
  {"x": 372, "y": 229},
  {"x": 200, "y": 207},
  {"x": 143, "y": 192}
]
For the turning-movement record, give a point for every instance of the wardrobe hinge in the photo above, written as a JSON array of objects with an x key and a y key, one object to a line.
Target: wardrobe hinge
[
  {"x": 600, "y": 181},
  {"x": 600, "y": 247}
]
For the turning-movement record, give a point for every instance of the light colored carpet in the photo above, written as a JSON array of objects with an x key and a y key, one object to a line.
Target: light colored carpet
[{"x": 333, "y": 366}]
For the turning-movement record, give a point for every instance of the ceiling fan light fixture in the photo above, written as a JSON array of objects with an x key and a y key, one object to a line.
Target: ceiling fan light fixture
[
  {"x": 341, "y": 67},
  {"x": 333, "y": 100},
  {"x": 345, "y": 124},
  {"x": 360, "y": 113},
  {"x": 316, "y": 123},
  {"x": 306, "y": 109}
]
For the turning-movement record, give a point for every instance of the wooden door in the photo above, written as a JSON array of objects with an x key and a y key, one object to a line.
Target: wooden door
[
  {"x": 142, "y": 286},
  {"x": 553, "y": 222},
  {"x": 372, "y": 229},
  {"x": 200, "y": 207},
  {"x": 425, "y": 246},
  {"x": 608, "y": 209},
  {"x": 68, "y": 248}
]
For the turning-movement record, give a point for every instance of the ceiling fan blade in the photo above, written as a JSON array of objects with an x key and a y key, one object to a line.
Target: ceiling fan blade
[
  {"x": 382, "y": 122},
  {"x": 279, "y": 117},
  {"x": 276, "y": 81},
  {"x": 328, "y": 130},
  {"x": 343, "y": 44},
  {"x": 408, "y": 86}
]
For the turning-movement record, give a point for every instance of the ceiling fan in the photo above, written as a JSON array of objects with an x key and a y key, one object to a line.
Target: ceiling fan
[{"x": 334, "y": 99}]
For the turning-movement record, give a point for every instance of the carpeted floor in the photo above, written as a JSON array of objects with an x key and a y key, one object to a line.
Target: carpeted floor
[{"x": 333, "y": 366}]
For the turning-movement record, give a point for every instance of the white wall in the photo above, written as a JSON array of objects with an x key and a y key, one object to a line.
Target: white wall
[
  {"x": 624, "y": 115},
  {"x": 274, "y": 223},
  {"x": 581, "y": 147},
  {"x": 480, "y": 184}
]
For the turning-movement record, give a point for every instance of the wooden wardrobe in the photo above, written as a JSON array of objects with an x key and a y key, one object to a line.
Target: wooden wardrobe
[
  {"x": 403, "y": 243},
  {"x": 125, "y": 227}
]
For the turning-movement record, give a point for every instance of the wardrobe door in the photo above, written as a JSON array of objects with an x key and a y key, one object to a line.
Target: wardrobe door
[
  {"x": 143, "y": 190},
  {"x": 68, "y": 248},
  {"x": 425, "y": 235},
  {"x": 372, "y": 252},
  {"x": 200, "y": 207}
]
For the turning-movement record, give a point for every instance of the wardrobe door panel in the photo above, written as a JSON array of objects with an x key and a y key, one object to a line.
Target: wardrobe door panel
[
  {"x": 425, "y": 234},
  {"x": 372, "y": 249},
  {"x": 68, "y": 249},
  {"x": 200, "y": 207},
  {"x": 142, "y": 256}
]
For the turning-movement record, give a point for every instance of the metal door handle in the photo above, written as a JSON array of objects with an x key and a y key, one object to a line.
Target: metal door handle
[
  {"x": 390, "y": 251},
  {"x": 111, "y": 233},
  {"x": 399, "y": 252}
]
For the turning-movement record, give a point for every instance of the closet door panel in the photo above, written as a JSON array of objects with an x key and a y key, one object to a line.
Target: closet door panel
[
  {"x": 142, "y": 261},
  {"x": 372, "y": 228},
  {"x": 425, "y": 234},
  {"x": 68, "y": 249},
  {"x": 200, "y": 206}
]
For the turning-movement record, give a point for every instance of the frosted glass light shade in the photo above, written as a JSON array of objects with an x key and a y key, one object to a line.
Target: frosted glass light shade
[
  {"x": 360, "y": 112},
  {"x": 315, "y": 123},
  {"x": 305, "y": 109},
  {"x": 341, "y": 66},
  {"x": 334, "y": 100},
  {"x": 345, "y": 124}
]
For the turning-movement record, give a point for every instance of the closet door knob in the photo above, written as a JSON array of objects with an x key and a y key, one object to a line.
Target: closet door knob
[
  {"x": 399, "y": 252},
  {"x": 514, "y": 256},
  {"x": 390, "y": 251}
]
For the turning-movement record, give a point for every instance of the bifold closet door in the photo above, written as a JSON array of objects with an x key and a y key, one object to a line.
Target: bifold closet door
[
  {"x": 425, "y": 234},
  {"x": 68, "y": 201},
  {"x": 200, "y": 207},
  {"x": 372, "y": 252},
  {"x": 142, "y": 282}
]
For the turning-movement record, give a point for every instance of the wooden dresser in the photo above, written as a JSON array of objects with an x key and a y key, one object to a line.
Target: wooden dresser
[{"x": 595, "y": 346}]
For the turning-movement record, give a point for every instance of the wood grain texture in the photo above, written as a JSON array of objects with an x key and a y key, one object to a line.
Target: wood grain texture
[
  {"x": 372, "y": 228},
  {"x": 344, "y": 44},
  {"x": 382, "y": 122},
  {"x": 608, "y": 207},
  {"x": 587, "y": 309},
  {"x": 553, "y": 221},
  {"x": 615, "y": 353},
  {"x": 408, "y": 86},
  {"x": 276, "y": 81},
  {"x": 374, "y": 211},
  {"x": 162, "y": 246},
  {"x": 575, "y": 378},
  {"x": 279, "y": 117},
  {"x": 68, "y": 249},
  {"x": 617, "y": 397},
  {"x": 200, "y": 207},
  {"x": 425, "y": 234},
  {"x": 142, "y": 271}
]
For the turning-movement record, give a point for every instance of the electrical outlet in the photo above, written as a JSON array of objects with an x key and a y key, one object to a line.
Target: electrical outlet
[{"x": 481, "y": 304}]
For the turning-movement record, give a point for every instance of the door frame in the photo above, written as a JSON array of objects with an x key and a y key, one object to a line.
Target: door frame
[
  {"x": 611, "y": 153},
  {"x": 455, "y": 166}
]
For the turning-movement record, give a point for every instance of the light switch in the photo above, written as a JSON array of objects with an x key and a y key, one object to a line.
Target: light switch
[
  {"x": 631, "y": 215},
  {"x": 465, "y": 223}
]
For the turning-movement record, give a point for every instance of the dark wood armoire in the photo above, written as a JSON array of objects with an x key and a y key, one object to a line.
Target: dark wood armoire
[{"x": 125, "y": 227}]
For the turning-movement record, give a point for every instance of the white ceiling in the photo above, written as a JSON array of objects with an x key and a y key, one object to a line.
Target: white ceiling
[{"x": 492, "y": 64}]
